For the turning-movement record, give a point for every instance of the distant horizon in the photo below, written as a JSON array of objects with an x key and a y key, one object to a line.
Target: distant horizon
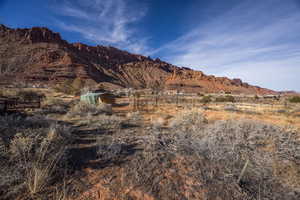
[{"x": 255, "y": 41}]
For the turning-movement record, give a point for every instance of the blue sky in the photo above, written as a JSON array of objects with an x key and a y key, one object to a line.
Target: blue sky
[{"x": 255, "y": 40}]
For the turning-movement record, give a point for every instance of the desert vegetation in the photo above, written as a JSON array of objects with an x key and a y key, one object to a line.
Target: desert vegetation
[
  {"x": 227, "y": 98},
  {"x": 164, "y": 148},
  {"x": 227, "y": 159},
  {"x": 33, "y": 154},
  {"x": 295, "y": 99},
  {"x": 95, "y": 122}
]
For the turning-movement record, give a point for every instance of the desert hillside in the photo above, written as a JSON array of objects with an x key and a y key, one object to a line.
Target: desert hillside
[{"x": 40, "y": 56}]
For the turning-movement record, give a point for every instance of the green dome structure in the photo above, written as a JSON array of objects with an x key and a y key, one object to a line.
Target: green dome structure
[
  {"x": 98, "y": 98},
  {"x": 91, "y": 98}
]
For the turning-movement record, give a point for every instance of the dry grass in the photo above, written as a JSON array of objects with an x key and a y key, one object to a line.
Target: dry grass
[
  {"x": 267, "y": 147},
  {"x": 170, "y": 166},
  {"x": 34, "y": 152},
  {"x": 173, "y": 158},
  {"x": 23, "y": 93},
  {"x": 158, "y": 122},
  {"x": 191, "y": 121},
  {"x": 53, "y": 105},
  {"x": 109, "y": 147},
  {"x": 273, "y": 118},
  {"x": 29, "y": 95},
  {"x": 222, "y": 156},
  {"x": 196, "y": 154},
  {"x": 82, "y": 109},
  {"x": 102, "y": 122}
]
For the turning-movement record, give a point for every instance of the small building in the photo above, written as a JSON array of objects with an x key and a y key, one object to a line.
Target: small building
[{"x": 98, "y": 98}]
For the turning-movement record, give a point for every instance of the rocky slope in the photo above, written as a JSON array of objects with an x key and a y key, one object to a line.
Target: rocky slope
[{"x": 38, "y": 55}]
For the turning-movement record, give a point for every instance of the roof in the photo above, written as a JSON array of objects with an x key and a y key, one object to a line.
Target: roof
[
  {"x": 95, "y": 94},
  {"x": 91, "y": 98}
]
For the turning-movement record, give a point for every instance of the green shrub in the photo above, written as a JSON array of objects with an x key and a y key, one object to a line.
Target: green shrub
[
  {"x": 295, "y": 99},
  {"x": 206, "y": 99},
  {"x": 227, "y": 98}
]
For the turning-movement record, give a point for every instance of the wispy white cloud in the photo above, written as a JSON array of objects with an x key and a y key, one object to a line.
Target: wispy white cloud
[
  {"x": 256, "y": 40},
  {"x": 104, "y": 21}
]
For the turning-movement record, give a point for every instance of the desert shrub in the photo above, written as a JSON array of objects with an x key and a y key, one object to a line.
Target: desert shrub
[
  {"x": 108, "y": 148},
  {"x": 262, "y": 147},
  {"x": 72, "y": 87},
  {"x": 77, "y": 86},
  {"x": 227, "y": 98},
  {"x": 54, "y": 105},
  {"x": 281, "y": 111},
  {"x": 85, "y": 90},
  {"x": 133, "y": 119},
  {"x": 207, "y": 162},
  {"x": 40, "y": 154},
  {"x": 103, "y": 121},
  {"x": 32, "y": 153},
  {"x": 11, "y": 124},
  {"x": 295, "y": 99},
  {"x": 230, "y": 107},
  {"x": 170, "y": 167},
  {"x": 158, "y": 122},
  {"x": 58, "y": 109},
  {"x": 249, "y": 156},
  {"x": 188, "y": 121},
  {"x": 8, "y": 92},
  {"x": 83, "y": 109},
  {"x": 134, "y": 116},
  {"x": 29, "y": 95},
  {"x": 206, "y": 99},
  {"x": 64, "y": 87}
]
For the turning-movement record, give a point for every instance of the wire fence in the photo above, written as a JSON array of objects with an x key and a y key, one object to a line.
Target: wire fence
[{"x": 15, "y": 104}]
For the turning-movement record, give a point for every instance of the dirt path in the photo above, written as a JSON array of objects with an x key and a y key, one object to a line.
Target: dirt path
[{"x": 90, "y": 171}]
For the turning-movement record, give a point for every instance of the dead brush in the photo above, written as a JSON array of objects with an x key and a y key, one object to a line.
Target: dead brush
[
  {"x": 243, "y": 160},
  {"x": 39, "y": 157},
  {"x": 81, "y": 109},
  {"x": 14, "y": 123},
  {"x": 158, "y": 122},
  {"x": 171, "y": 166},
  {"x": 33, "y": 154},
  {"x": 54, "y": 105},
  {"x": 29, "y": 95},
  {"x": 191, "y": 121},
  {"x": 249, "y": 152},
  {"x": 231, "y": 107},
  {"x": 109, "y": 148},
  {"x": 103, "y": 121},
  {"x": 134, "y": 118}
]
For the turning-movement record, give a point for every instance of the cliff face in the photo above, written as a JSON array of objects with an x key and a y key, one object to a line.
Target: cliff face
[{"x": 38, "y": 55}]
